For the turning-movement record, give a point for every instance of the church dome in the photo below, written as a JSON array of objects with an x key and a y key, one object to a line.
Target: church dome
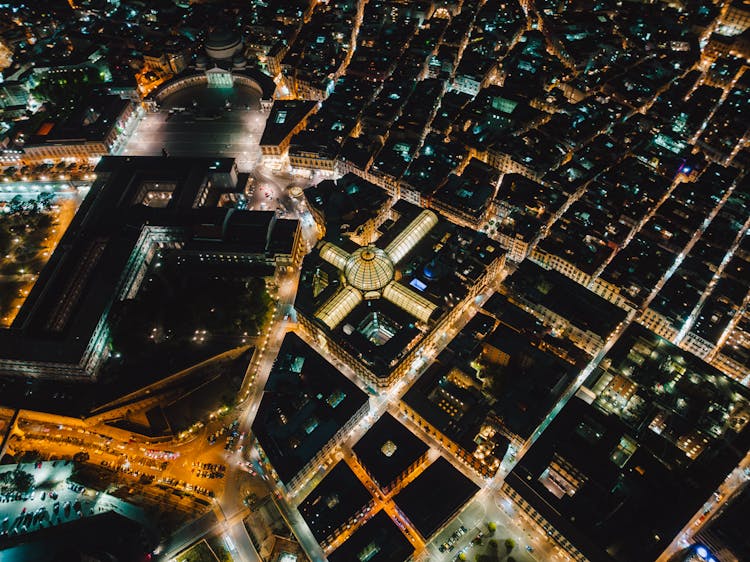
[
  {"x": 369, "y": 269},
  {"x": 223, "y": 44}
]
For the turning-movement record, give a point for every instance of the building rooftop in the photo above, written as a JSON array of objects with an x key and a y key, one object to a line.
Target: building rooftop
[
  {"x": 726, "y": 533},
  {"x": 429, "y": 510},
  {"x": 450, "y": 399},
  {"x": 620, "y": 472},
  {"x": 284, "y": 117},
  {"x": 97, "y": 115},
  {"x": 133, "y": 199},
  {"x": 565, "y": 297},
  {"x": 378, "y": 298},
  {"x": 339, "y": 497},
  {"x": 388, "y": 449},
  {"x": 305, "y": 402},
  {"x": 378, "y": 540},
  {"x": 108, "y": 535}
]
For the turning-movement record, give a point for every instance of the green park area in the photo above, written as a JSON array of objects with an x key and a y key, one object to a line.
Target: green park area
[
  {"x": 199, "y": 552},
  {"x": 185, "y": 313},
  {"x": 205, "y": 551},
  {"x": 67, "y": 90}
]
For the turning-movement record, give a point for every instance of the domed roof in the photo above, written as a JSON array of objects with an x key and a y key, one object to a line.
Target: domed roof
[
  {"x": 369, "y": 269},
  {"x": 221, "y": 39}
]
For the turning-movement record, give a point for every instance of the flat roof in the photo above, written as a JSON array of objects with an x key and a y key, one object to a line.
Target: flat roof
[
  {"x": 435, "y": 496},
  {"x": 91, "y": 121},
  {"x": 535, "y": 379},
  {"x": 662, "y": 433},
  {"x": 305, "y": 402},
  {"x": 388, "y": 449},
  {"x": 284, "y": 117},
  {"x": 86, "y": 273},
  {"x": 378, "y": 540},
  {"x": 434, "y": 385},
  {"x": 56, "y": 321},
  {"x": 334, "y": 501},
  {"x": 552, "y": 290}
]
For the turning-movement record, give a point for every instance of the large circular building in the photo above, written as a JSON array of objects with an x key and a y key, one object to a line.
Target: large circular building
[
  {"x": 223, "y": 44},
  {"x": 369, "y": 269}
]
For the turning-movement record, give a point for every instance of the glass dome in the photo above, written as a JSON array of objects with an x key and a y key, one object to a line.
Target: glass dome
[{"x": 369, "y": 269}]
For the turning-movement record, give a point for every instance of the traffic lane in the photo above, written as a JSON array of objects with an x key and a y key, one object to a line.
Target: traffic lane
[{"x": 241, "y": 547}]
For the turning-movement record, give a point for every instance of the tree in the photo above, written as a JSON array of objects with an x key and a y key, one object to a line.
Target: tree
[
  {"x": 492, "y": 527},
  {"x": 16, "y": 481},
  {"x": 81, "y": 456},
  {"x": 44, "y": 199},
  {"x": 16, "y": 204},
  {"x": 68, "y": 90},
  {"x": 31, "y": 207},
  {"x": 509, "y": 545},
  {"x": 31, "y": 455}
]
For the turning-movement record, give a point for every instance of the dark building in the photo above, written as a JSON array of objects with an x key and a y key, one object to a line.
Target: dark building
[
  {"x": 339, "y": 499},
  {"x": 448, "y": 400},
  {"x": 726, "y": 535},
  {"x": 287, "y": 118},
  {"x": 107, "y": 537},
  {"x": 465, "y": 198},
  {"x": 389, "y": 451},
  {"x": 307, "y": 406},
  {"x": 434, "y": 497},
  {"x": 137, "y": 207},
  {"x": 630, "y": 460},
  {"x": 378, "y": 540},
  {"x": 585, "y": 318}
]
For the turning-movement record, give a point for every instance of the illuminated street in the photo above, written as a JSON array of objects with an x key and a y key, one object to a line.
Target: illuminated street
[{"x": 393, "y": 281}]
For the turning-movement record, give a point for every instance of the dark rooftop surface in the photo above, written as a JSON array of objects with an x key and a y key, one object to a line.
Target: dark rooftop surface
[
  {"x": 81, "y": 280},
  {"x": 338, "y": 498},
  {"x": 91, "y": 121},
  {"x": 284, "y": 117},
  {"x": 388, "y": 449},
  {"x": 435, "y": 496},
  {"x": 107, "y": 536},
  {"x": 94, "y": 251},
  {"x": 347, "y": 203},
  {"x": 305, "y": 402},
  {"x": 532, "y": 382},
  {"x": 662, "y": 433},
  {"x": 565, "y": 297},
  {"x": 729, "y": 529},
  {"x": 378, "y": 540},
  {"x": 435, "y": 397}
]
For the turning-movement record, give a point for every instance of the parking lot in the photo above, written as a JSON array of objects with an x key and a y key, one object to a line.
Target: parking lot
[
  {"x": 469, "y": 534},
  {"x": 55, "y": 500}
]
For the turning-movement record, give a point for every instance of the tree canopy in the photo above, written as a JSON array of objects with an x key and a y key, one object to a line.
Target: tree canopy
[{"x": 17, "y": 480}]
